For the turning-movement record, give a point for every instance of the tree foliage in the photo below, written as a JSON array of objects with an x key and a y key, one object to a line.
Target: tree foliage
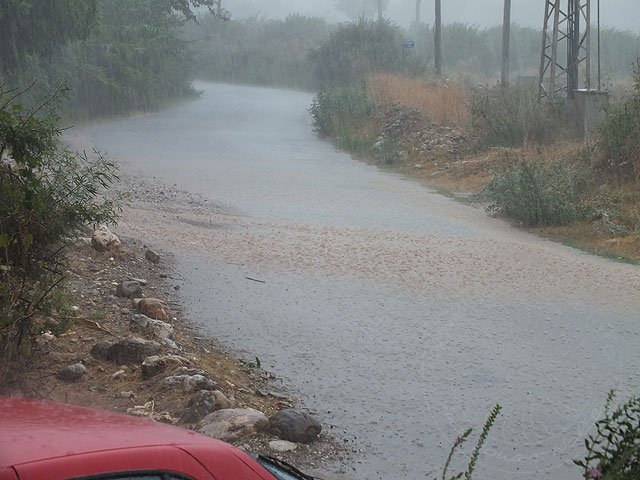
[
  {"x": 46, "y": 192},
  {"x": 356, "y": 50},
  {"x": 39, "y": 27},
  {"x": 130, "y": 58}
]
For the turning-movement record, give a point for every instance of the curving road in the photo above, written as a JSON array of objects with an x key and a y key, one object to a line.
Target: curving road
[{"x": 401, "y": 316}]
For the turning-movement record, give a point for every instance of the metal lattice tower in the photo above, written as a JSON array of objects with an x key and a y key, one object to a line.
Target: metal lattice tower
[{"x": 567, "y": 25}]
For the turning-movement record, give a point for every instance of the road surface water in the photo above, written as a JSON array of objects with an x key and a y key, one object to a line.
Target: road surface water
[{"x": 400, "y": 315}]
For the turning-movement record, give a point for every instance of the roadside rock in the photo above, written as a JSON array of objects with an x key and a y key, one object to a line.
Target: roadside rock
[
  {"x": 103, "y": 240},
  {"x": 191, "y": 383},
  {"x": 152, "y": 256},
  {"x": 156, "y": 364},
  {"x": 131, "y": 350},
  {"x": 202, "y": 404},
  {"x": 99, "y": 350},
  {"x": 294, "y": 426},
  {"x": 150, "y": 327},
  {"x": 129, "y": 289},
  {"x": 153, "y": 308},
  {"x": 232, "y": 424},
  {"x": 72, "y": 373},
  {"x": 282, "y": 446},
  {"x": 149, "y": 410}
]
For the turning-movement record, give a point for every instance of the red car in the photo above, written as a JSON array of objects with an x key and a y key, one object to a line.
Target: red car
[{"x": 49, "y": 441}]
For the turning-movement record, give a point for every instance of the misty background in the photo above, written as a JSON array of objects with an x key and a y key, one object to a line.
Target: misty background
[{"x": 619, "y": 14}]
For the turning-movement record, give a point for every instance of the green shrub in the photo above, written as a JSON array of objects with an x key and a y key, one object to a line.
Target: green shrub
[
  {"x": 538, "y": 195},
  {"x": 613, "y": 453},
  {"x": 356, "y": 50},
  {"x": 619, "y": 135},
  {"x": 46, "y": 192},
  {"x": 511, "y": 117},
  {"x": 340, "y": 110}
]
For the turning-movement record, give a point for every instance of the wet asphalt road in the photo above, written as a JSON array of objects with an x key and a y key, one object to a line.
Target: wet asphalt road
[{"x": 401, "y": 316}]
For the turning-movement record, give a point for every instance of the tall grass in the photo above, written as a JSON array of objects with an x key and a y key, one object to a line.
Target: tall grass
[
  {"x": 536, "y": 194},
  {"x": 619, "y": 135},
  {"x": 440, "y": 102},
  {"x": 514, "y": 116}
]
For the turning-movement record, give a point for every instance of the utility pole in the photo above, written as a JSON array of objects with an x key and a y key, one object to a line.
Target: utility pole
[
  {"x": 418, "y": 2},
  {"x": 506, "y": 38},
  {"x": 379, "y": 9},
  {"x": 438, "y": 38}
]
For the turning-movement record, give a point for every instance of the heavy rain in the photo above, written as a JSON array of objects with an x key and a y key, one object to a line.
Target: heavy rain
[{"x": 410, "y": 226}]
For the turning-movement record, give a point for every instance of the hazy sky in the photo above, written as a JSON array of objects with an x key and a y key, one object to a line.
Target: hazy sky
[{"x": 622, "y": 14}]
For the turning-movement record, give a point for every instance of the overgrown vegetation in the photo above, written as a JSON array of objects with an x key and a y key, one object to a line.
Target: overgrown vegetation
[
  {"x": 340, "y": 110},
  {"x": 514, "y": 116},
  {"x": 536, "y": 194},
  {"x": 356, "y": 50},
  {"x": 46, "y": 192},
  {"x": 619, "y": 138},
  {"x": 272, "y": 53},
  {"x": 114, "y": 55},
  {"x": 613, "y": 452}
]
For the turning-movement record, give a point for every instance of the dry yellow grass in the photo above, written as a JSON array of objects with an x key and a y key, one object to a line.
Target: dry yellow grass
[{"x": 447, "y": 104}]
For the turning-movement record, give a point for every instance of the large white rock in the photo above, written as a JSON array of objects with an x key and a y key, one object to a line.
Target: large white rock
[
  {"x": 103, "y": 239},
  {"x": 233, "y": 424}
]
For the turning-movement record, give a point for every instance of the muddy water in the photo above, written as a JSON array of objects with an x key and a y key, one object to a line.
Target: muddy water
[{"x": 401, "y": 316}]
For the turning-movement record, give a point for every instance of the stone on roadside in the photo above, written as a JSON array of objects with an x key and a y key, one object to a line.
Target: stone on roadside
[
  {"x": 233, "y": 424},
  {"x": 202, "y": 404},
  {"x": 282, "y": 446},
  {"x": 129, "y": 289},
  {"x": 141, "y": 281},
  {"x": 150, "y": 327},
  {"x": 153, "y": 257},
  {"x": 104, "y": 240},
  {"x": 294, "y": 426},
  {"x": 131, "y": 350},
  {"x": 156, "y": 364},
  {"x": 153, "y": 308},
  {"x": 72, "y": 373},
  {"x": 191, "y": 382},
  {"x": 167, "y": 342},
  {"x": 99, "y": 350}
]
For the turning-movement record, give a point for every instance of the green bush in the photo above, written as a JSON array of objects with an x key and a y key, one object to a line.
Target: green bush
[
  {"x": 339, "y": 110},
  {"x": 356, "y": 50},
  {"x": 46, "y": 192},
  {"x": 511, "y": 117},
  {"x": 613, "y": 453},
  {"x": 619, "y": 135},
  {"x": 538, "y": 195}
]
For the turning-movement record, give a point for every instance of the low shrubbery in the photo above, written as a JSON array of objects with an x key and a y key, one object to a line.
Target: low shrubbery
[
  {"x": 619, "y": 135},
  {"x": 537, "y": 194},
  {"x": 46, "y": 192},
  {"x": 342, "y": 113},
  {"x": 513, "y": 116},
  {"x": 613, "y": 452},
  {"x": 446, "y": 103}
]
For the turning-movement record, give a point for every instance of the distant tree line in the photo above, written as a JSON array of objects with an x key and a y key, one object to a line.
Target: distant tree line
[
  {"x": 304, "y": 52},
  {"x": 113, "y": 55}
]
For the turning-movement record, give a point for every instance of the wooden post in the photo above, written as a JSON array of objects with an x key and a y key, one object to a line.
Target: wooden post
[
  {"x": 506, "y": 38},
  {"x": 438, "y": 38}
]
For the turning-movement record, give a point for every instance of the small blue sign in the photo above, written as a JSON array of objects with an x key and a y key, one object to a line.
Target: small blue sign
[{"x": 410, "y": 44}]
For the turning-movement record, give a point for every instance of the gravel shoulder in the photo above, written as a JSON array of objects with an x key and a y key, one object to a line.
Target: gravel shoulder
[{"x": 97, "y": 315}]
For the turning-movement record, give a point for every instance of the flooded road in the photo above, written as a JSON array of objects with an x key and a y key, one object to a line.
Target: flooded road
[{"x": 401, "y": 316}]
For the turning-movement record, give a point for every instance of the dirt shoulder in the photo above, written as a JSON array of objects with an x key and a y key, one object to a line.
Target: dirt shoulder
[{"x": 97, "y": 316}]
